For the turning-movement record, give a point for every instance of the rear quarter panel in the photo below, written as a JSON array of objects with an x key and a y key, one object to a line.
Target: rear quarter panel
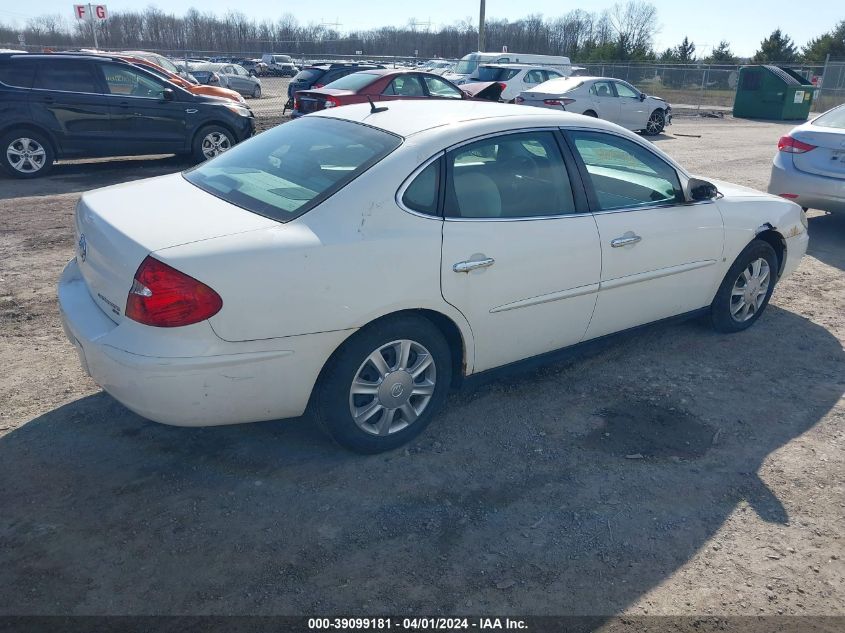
[{"x": 356, "y": 257}]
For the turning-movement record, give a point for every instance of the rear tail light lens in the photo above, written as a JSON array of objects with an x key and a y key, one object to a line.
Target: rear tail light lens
[
  {"x": 296, "y": 103},
  {"x": 162, "y": 296},
  {"x": 558, "y": 102},
  {"x": 331, "y": 102},
  {"x": 503, "y": 86},
  {"x": 793, "y": 146}
]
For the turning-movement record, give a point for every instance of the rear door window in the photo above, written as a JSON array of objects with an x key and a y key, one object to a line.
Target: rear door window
[
  {"x": 66, "y": 75},
  {"x": 602, "y": 89},
  {"x": 422, "y": 194},
  {"x": 533, "y": 77}
]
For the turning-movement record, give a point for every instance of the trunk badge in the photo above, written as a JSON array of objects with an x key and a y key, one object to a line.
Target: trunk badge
[{"x": 82, "y": 248}]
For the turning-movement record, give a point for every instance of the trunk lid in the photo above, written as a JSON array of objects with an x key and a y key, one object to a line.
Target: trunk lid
[
  {"x": 828, "y": 158},
  {"x": 117, "y": 227},
  {"x": 314, "y": 101},
  {"x": 484, "y": 90}
]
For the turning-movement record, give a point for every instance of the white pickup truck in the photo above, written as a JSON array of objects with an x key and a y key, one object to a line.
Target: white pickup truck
[{"x": 281, "y": 65}]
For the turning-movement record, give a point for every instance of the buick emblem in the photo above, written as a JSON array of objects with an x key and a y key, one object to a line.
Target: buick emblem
[{"x": 82, "y": 247}]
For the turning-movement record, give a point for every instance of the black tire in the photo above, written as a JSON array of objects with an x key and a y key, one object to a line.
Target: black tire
[
  {"x": 199, "y": 149},
  {"x": 656, "y": 123},
  {"x": 256, "y": 92},
  {"x": 592, "y": 114},
  {"x": 333, "y": 399},
  {"x": 723, "y": 306},
  {"x": 38, "y": 163}
]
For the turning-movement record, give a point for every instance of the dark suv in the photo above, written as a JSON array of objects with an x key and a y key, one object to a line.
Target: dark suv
[
  {"x": 319, "y": 75},
  {"x": 56, "y": 106}
]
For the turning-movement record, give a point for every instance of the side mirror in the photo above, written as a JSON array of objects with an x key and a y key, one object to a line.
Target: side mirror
[
  {"x": 642, "y": 96},
  {"x": 167, "y": 94},
  {"x": 701, "y": 190}
]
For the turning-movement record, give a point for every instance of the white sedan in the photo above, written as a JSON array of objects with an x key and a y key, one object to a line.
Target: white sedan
[
  {"x": 361, "y": 261},
  {"x": 602, "y": 97}
]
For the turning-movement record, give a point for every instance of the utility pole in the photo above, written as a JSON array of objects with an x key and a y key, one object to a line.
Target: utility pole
[{"x": 481, "y": 27}]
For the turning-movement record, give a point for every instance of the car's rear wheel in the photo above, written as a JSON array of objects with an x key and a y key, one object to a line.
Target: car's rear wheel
[
  {"x": 746, "y": 289},
  {"x": 384, "y": 385},
  {"x": 592, "y": 114},
  {"x": 211, "y": 141},
  {"x": 256, "y": 92},
  {"x": 26, "y": 154},
  {"x": 656, "y": 123}
]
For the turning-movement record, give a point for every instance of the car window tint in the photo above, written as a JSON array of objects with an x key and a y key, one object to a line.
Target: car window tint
[
  {"x": 19, "y": 72},
  {"x": 405, "y": 86},
  {"x": 439, "y": 88},
  {"x": 353, "y": 82},
  {"x": 67, "y": 75},
  {"x": 128, "y": 82},
  {"x": 623, "y": 90},
  {"x": 534, "y": 77},
  {"x": 551, "y": 74},
  {"x": 512, "y": 176},
  {"x": 421, "y": 194},
  {"x": 287, "y": 170},
  {"x": 601, "y": 89},
  {"x": 624, "y": 173}
]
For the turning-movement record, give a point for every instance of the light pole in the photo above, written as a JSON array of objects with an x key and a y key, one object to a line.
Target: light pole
[{"x": 481, "y": 27}]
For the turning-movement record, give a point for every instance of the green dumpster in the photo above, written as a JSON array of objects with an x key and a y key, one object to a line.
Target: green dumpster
[{"x": 771, "y": 92}]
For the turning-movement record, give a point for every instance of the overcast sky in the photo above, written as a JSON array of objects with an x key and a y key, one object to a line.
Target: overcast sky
[{"x": 742, "y": 22}]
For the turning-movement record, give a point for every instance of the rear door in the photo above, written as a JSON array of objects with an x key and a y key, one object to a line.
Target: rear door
[
  {"x": 659, "y": 254},
  {"x": 604, "y": 101},
  {"x": 67, "y": 99},
  {"x": 142, "y": 119},
  {"x": 521, "y": 259}
]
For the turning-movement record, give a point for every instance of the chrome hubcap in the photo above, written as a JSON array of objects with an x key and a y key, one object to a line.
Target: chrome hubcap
[
  {"x": 750, "y": 290},
  {"x": 214, "y": 144},
  {"x": 26, "y": 155},
  {"x": 392, "y": 387}
]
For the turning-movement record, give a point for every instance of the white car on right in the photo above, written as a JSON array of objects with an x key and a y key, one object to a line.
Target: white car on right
[
  {"x": 604, "y": 98},
  {"x": 809, "y": 168}
]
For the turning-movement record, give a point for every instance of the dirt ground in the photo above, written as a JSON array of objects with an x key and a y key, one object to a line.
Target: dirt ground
[{"x": 674, "y": 471}]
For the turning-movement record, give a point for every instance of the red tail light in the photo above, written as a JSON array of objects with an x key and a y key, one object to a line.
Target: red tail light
[
  {"x": 503, "y": 86},
  {"x": 296, "y": 103},
  {"x": 331, "y": 102},
  {"x": 558, "y": 102},
  {"x": 793, "y": 146},
  {"x": 162, "y": 296}
]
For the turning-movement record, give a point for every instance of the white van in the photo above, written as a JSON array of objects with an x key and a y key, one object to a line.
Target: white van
[{"x": 469, "y": 63}]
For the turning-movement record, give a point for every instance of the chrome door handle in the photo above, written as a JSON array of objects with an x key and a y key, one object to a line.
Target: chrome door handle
[
  {"x": 625, "y": 240},
  {"x": 465, "y": 267}
]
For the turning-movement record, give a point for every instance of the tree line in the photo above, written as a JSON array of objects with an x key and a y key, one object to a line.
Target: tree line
[{"x": 625, "y": 32}]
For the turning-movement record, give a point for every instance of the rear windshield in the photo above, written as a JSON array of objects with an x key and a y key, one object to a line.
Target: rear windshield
[
  {"x": 832, "y": 118},
  {"x": 491, "y": 73},
  {"x": 308, "y": 74},
  {"x": 290, "y": 169},
  {"x": 355, "y": 81},
  {"x": 559, "y": 86}
]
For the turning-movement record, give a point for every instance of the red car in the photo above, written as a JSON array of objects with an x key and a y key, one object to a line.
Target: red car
[{"x": 387, "y": 85}]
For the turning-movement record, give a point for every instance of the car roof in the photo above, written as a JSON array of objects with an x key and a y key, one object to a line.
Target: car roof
[{"x": 409, "y": 117}]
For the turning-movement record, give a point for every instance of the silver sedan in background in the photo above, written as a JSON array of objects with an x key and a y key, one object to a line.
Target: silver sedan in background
[
  {"x": 604, "y": 98},
  {"x": 809, "y": 167},
  {"x": 232, "y": 76}
]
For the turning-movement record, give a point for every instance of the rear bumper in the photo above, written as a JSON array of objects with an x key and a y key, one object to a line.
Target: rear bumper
[
  {"x": 207, "y": 381},
  {"x": 812, "y": 191}
]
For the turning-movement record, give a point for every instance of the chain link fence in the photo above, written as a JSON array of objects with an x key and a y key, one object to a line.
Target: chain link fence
[{"x": 832, "y": 89}]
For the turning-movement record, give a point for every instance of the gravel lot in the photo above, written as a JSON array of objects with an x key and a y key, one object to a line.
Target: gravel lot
[{"x": 519, "y": 498}]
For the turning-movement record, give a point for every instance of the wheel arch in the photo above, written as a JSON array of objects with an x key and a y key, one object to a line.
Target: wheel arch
[
  {"x": 770, "y": 234},
  {"x": 11, "y": 127}
]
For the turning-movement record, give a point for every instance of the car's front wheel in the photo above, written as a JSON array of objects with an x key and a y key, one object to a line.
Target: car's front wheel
[
  {"x": 746, "y": 289},
  {"x": 384, "y": 385},
  {"x": 26, "y": 154},
  {"x": 256, "y": 92},
  {"x": 656, "y": 123},
  {"x": 211, "y": 141}
]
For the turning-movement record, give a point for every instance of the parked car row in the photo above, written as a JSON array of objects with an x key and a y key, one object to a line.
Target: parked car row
[{"x": 231, "y": 76}]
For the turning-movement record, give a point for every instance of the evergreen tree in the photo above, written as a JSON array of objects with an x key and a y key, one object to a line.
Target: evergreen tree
[
  {"x": 778, "y": 47},
  {"x": 832, "y": 43},
  {"x": 722, "y": 55},
  {"x": 686, "y": 51}
]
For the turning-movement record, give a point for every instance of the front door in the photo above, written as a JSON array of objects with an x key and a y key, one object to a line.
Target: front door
[
  {"x": 659, "y": 253},
  {"x": 520, "y": 259},
  {"x": 142, "y": 119},
  {"x": 632, "y": 110}
]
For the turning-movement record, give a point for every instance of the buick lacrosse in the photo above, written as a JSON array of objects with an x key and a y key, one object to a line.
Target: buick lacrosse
[{"x": 360, "y": 261}]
